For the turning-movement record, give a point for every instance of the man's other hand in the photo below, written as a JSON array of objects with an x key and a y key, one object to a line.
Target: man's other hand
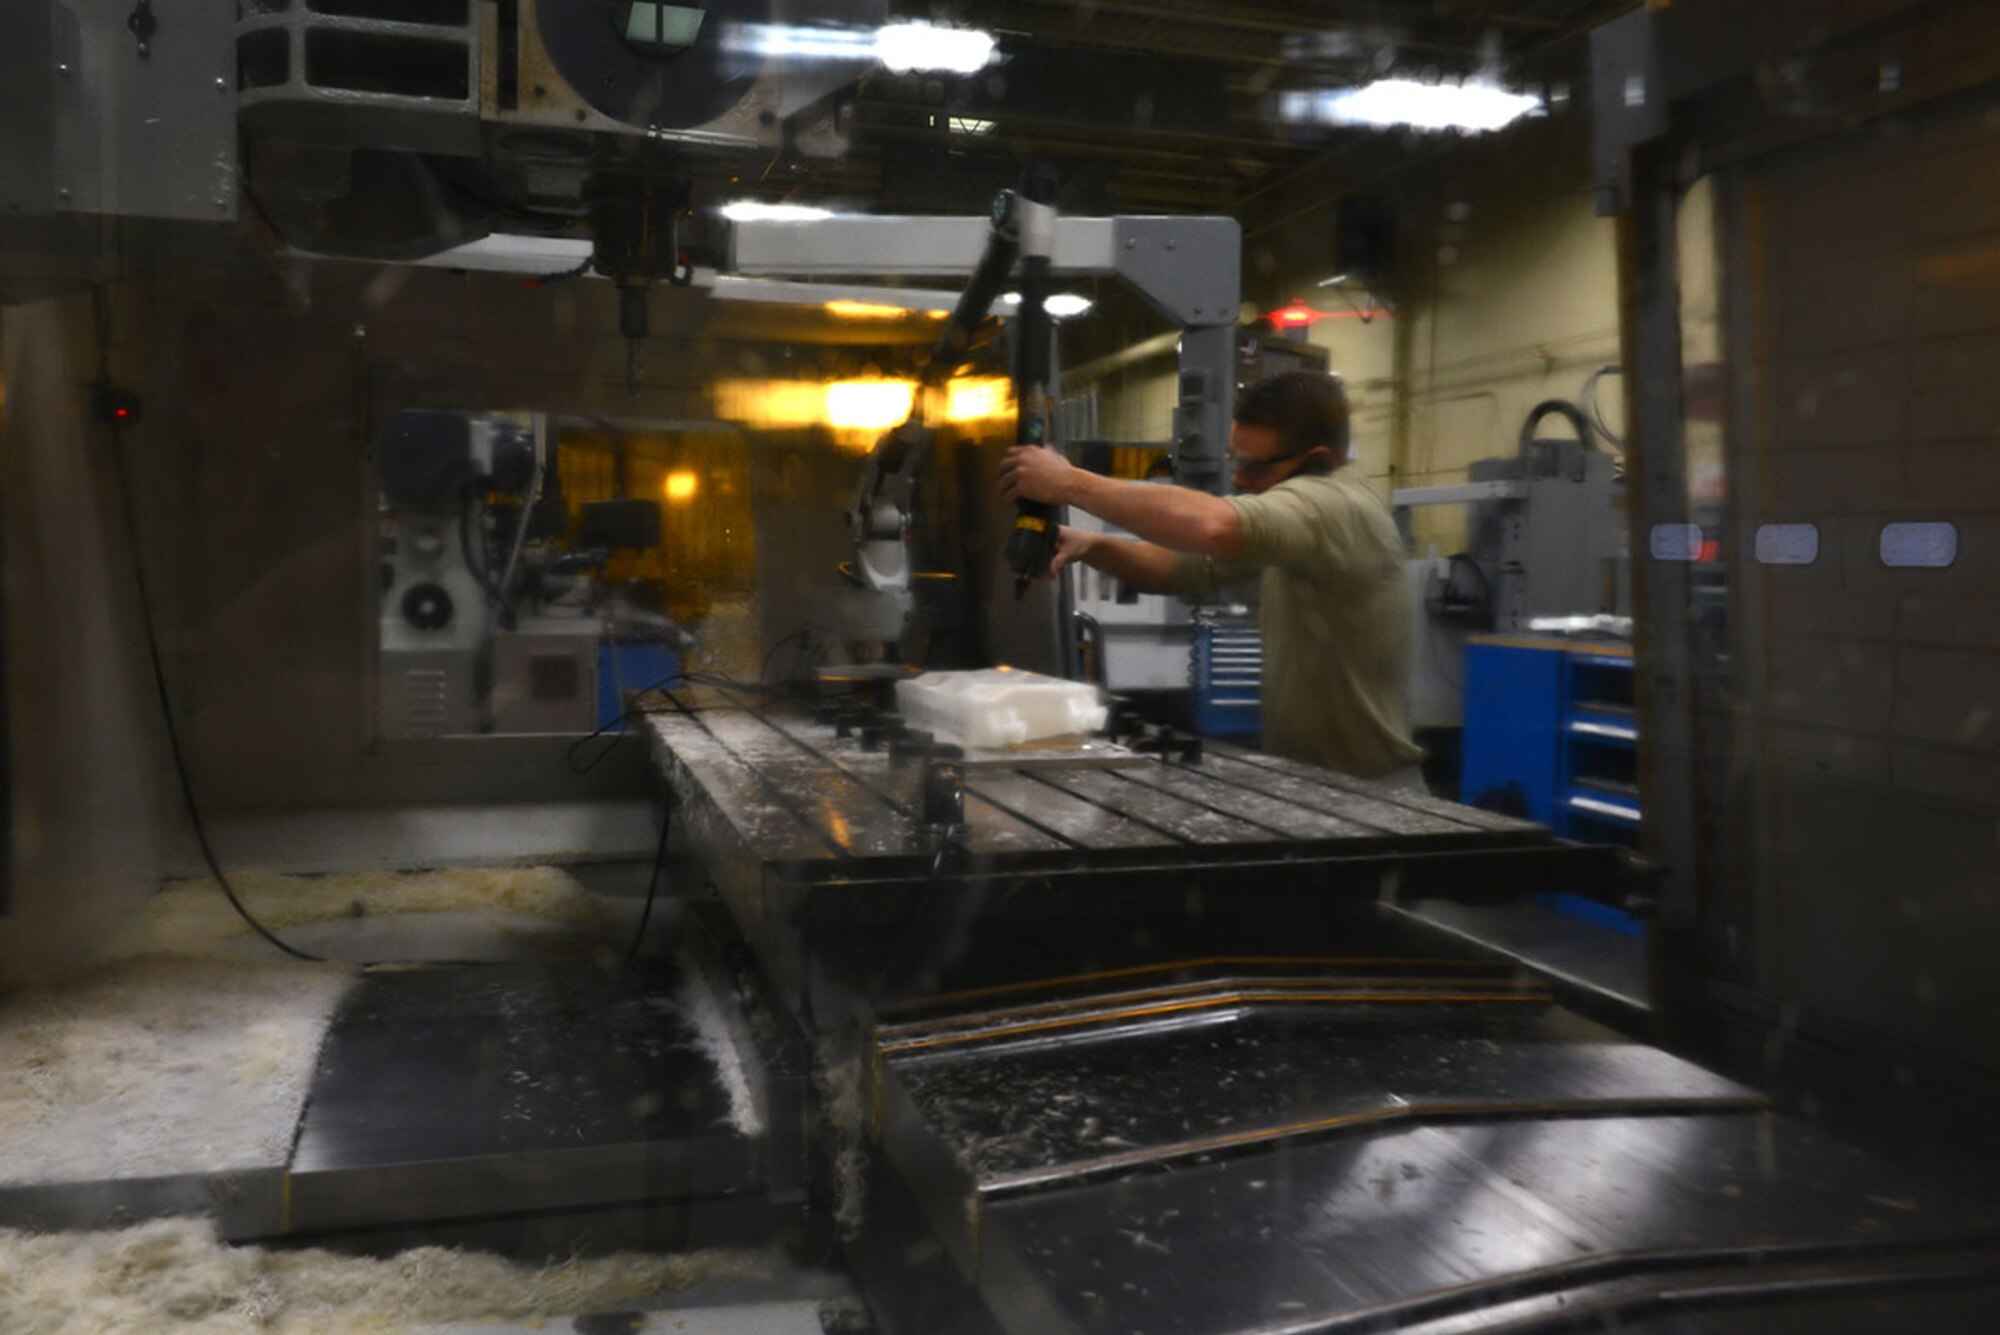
[
  {"x": 1034, "y": 473},
  {"x": 1072, "y": 544}
]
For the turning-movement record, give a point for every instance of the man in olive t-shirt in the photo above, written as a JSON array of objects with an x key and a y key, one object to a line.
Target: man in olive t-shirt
[{"x": 1335, "y": 610}]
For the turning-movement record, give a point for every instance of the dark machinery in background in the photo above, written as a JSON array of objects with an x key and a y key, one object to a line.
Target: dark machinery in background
[
  {"x": 1545, "y": 541},
  {"x": 438, "y": 591},
  {"x": 1545, "y": 535},
  {"x": 492, "y": 619},
  {"x": 449, "y": 120},
  {"x": 398, "y": 131},
  {"x": 387, "y": 130}
]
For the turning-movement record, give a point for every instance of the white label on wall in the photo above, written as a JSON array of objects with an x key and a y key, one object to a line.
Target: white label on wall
[
  {"x": 1932, "y": 544},
  {"x": 1787, "y": 544},
  {"x": 1676, "y": 542}
]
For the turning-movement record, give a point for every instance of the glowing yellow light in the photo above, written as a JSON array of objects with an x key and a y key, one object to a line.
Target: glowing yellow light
[
  {"x": 868, "y": 405},
  {"x": 770, "y": 403},
  {"x": 865, "y": 310},
  {"x": 681, "y": 486},
  {"x": 938, "y": 315},
  {"x": 975, "y": 400}
]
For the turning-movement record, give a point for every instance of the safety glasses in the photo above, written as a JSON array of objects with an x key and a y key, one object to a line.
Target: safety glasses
[{"x": 1255, "y": 468}]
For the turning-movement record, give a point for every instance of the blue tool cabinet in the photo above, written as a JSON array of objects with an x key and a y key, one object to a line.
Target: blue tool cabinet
[
  {"x": 1226, "y": 674},
  {"x": 1551, "y": 732}
]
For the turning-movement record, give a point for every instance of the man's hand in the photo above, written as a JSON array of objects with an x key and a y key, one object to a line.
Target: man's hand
[
  {"x": 1034, "y": 473},
  {"x": 1072, "y": 544}
]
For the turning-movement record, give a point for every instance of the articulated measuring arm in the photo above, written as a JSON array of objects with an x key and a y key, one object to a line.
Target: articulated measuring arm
[
  {"x": 1023, "y": 228},
  {"x": 1032, "y": 544}
]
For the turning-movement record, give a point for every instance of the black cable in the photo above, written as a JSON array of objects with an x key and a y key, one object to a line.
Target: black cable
[
  {"x": 723, "y": 681},
  {"x": 950, "y": 831},
  {"x": 498, "y": 594},
  {"x": 1561, "y": 407},
  {"x": 653, "y": 885},
  {"x": 666, "y": 825},
  {"x": 1588, "y": 397},
  {"x": 1465, "y": 561},
  {"x": 764, "y": 673},
  {"x": 154, "y": 658},
  {"x": 481, "y": 575},
  {"x": 615, "y": 727}
]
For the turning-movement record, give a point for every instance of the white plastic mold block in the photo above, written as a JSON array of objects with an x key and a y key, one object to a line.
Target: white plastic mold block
[{"x": 999, "y": 707}]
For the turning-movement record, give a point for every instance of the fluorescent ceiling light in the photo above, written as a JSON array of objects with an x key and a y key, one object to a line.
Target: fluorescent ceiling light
[
  {"x": 1059, "y": 305},
  {"x": 786, "y": 41},
  {"x": 923, "y": 46},
  {"x": 750, "y": 210},
  {"x": 968, "y": 125},
  {"x": 902, "y": 47},
  {"x": 1473, "y": 105}
]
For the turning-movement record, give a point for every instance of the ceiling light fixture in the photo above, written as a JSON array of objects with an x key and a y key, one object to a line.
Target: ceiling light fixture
[
  {"x": 902, "y": 47},
  {"x": 1059, "y": 305},
  {"x": 1474, "y": 105},
  {"x": 751, "y": 210}
]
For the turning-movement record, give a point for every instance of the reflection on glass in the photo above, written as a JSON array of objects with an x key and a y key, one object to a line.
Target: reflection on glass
[{"x": 536, "y": 572}]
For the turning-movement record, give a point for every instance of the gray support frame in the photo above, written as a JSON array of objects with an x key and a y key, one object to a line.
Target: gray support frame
[
  {"x": 1628, "y": 102},
  {"x": 1668, "y": 672},
  {"x": 1187, "y": 269},
  {"x": 1207, "y": 401},
  {"x": 1178, "y": 265}
]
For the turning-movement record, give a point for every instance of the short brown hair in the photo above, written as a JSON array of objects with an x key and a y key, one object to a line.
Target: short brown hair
[{"x": 1308, "y": 410}]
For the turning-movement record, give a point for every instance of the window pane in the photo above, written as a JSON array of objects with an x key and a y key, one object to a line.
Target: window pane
[
  {"x": 1787, "y": 544},
  {"x": 1932, "y": 544},
  {"x": 1676, "y": 542},
  {"x": 680, "y": 25}
]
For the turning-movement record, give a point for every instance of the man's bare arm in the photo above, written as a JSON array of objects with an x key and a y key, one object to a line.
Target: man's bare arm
[
  {"x": 1145, "y": 566},
  {"x": 1180, "y": 518},
  {"x": 1177, "y": 517}
]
